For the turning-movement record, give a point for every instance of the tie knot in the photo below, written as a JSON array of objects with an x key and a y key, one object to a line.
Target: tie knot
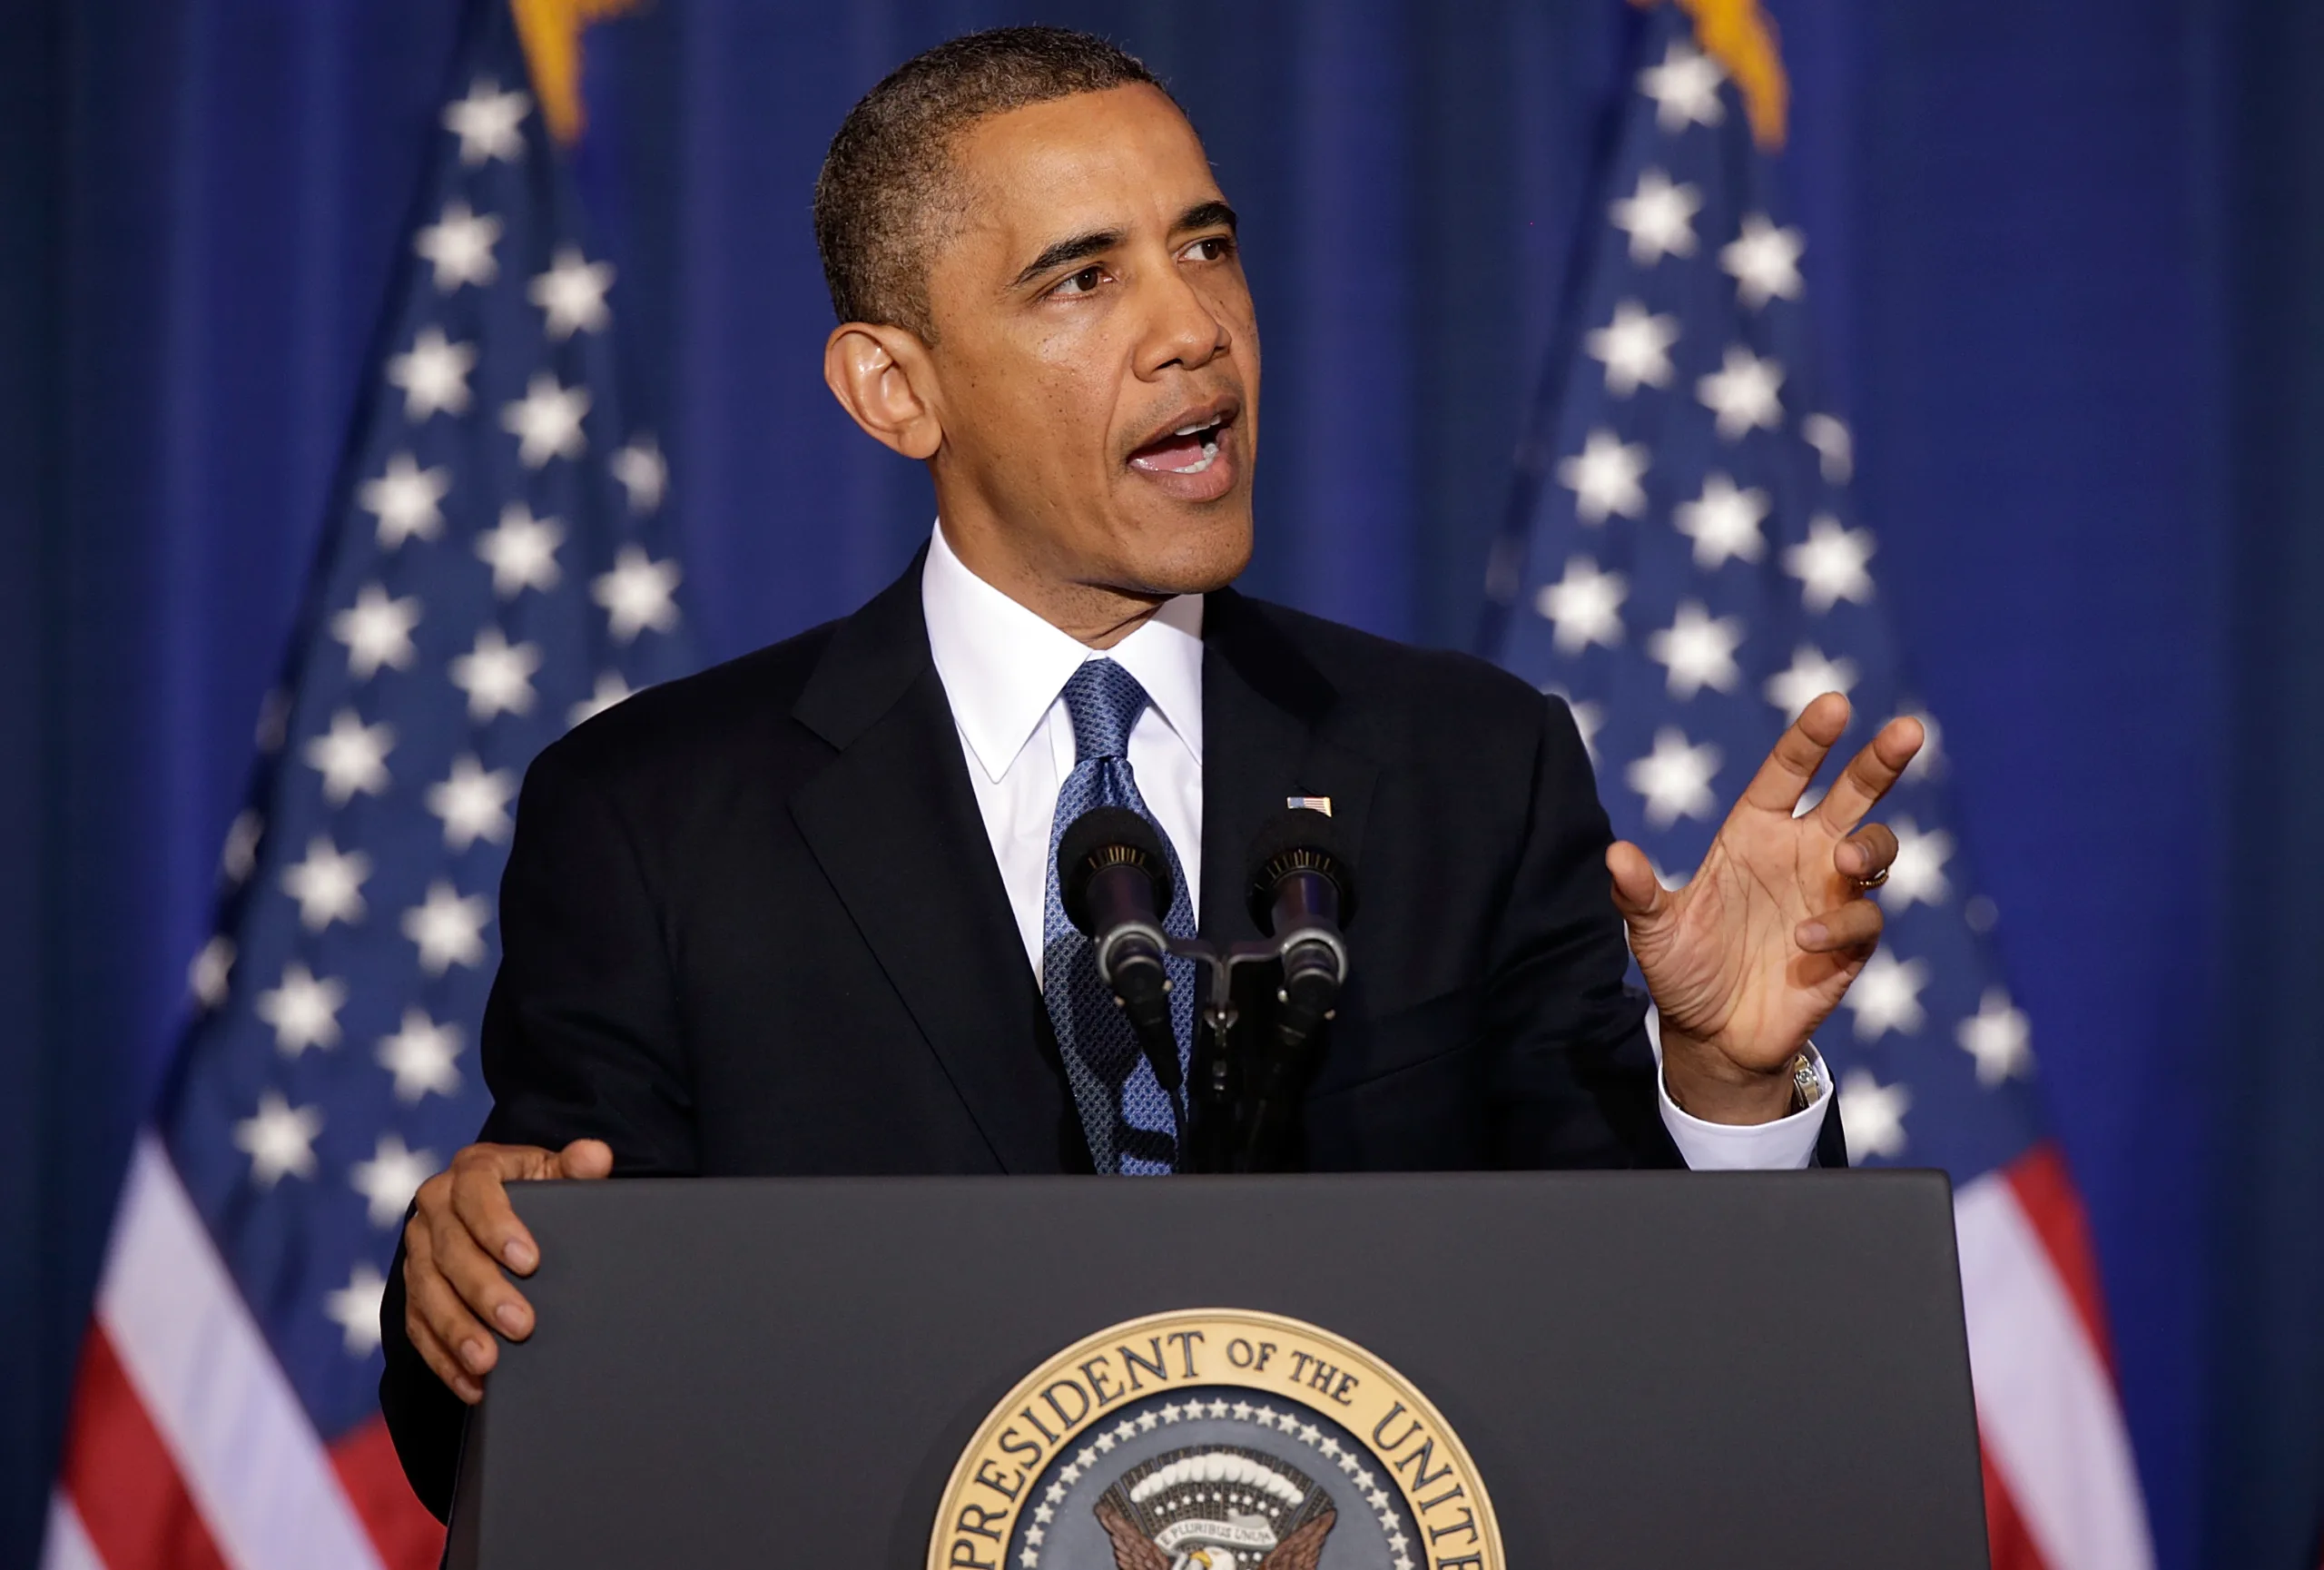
[{"x": 1104, "y": 702}]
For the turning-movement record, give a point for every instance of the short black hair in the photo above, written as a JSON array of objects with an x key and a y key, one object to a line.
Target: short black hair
[{"x": 883, "y": 181}]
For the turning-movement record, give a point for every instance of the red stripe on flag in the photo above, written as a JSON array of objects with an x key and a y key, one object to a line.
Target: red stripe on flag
[
  {"x": 2045, "y": 1192},
  {"x": 2013, "y": 1547},
  {"x": 407, "y": 1535},
  {"x": 122, "y": 1477}
]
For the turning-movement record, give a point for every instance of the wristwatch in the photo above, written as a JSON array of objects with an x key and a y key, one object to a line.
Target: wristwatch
[{"x": 1807, "y": 1090}]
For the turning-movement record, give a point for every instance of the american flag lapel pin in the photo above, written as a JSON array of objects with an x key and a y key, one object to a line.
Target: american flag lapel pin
[{"x": 1311, "y": 804}]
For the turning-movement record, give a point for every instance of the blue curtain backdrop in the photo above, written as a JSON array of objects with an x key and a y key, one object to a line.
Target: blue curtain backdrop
[{"x": 2068, "y": 262}]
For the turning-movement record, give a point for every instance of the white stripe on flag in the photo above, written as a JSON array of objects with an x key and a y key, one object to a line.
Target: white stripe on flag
[
  {"x": 2046, "y": 1406},
  {"x": 249, "y": 1458},
  {"x": 67, "y": 1544}
]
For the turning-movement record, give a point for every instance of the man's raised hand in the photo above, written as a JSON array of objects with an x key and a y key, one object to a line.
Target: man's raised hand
[
  {"x": 1757, "y": 949},
  {"x": 456, "y": 1243}
]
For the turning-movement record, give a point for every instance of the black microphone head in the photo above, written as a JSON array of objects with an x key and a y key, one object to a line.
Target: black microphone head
[
  {"x": 1105, "y": 837},
  {"x": 1297, "y": 840}
]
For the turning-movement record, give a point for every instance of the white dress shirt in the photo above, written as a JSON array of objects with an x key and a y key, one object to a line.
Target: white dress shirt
[{"x": 1004, "y": 670}]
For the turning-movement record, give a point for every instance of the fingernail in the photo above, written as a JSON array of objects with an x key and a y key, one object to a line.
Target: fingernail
[
  {"x": 473, "y": 1354},
  {"x": 1813, "y": 936},
  {"x": 518, "y": 1256},
  {"x": 511, "y": 1318}
]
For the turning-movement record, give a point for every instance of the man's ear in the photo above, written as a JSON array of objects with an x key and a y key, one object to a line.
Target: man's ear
[{"x": 883, "y": 377}]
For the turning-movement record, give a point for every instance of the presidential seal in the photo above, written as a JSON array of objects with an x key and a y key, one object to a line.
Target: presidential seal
[{"x": 1214, "y": 1439}]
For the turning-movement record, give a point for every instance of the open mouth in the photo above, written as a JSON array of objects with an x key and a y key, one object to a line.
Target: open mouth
[{"x": 1189, "y": 449}]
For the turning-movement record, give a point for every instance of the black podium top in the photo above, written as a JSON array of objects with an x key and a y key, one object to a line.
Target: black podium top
[{"x": 1652, "y": 1369}]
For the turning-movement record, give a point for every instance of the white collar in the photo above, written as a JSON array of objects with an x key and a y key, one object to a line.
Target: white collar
[{"x": 1003, "y": 666}]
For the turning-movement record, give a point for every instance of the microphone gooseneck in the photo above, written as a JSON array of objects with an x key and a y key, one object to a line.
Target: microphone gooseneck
[{"x": 1114, "y": 879}]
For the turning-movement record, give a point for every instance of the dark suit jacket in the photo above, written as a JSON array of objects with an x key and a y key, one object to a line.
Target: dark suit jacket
[{"x": 751, "y": 924}]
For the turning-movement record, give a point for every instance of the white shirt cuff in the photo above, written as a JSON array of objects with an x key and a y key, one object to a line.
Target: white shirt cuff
[{"x": 1786, "y": 1145}]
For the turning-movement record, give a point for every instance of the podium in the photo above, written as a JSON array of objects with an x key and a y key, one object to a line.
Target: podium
[{"x": 1377, "y": 1372}]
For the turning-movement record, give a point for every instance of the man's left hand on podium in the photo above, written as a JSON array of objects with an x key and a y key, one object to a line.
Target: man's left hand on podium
[{"x": 1759, "y": 947}]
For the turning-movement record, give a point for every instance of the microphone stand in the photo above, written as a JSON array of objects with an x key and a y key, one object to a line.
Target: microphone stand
[{"x": 1237, "y": 1115}]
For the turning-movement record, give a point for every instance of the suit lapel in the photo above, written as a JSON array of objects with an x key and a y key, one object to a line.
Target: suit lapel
[
  {"x": 1264, "y": 739},
  {"x": 894, "y": 825}
]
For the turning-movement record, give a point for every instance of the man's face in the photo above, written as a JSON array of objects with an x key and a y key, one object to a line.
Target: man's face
[{"x": 1096, "y": 356}]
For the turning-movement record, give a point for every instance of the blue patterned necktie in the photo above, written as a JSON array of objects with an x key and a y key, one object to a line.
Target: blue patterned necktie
[{"x": 1124, "y": 1108}]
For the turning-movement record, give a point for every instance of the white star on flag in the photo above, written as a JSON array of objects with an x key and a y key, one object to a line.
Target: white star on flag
[
  {"x": 405, "y": 499},
  {"x": 1918, "y": 871},
  {"x": 238, "y": 857},
  {"x": 212, "y": 969},
  {"x": 1810, "y": 676},
  {"x": 546, "y": 421},
  {"x": 1743, "y": 393},
  {"x": 521, "y": 552},
  {"x": 1604, "y": 478},
  {"x": 572, "y": 295},
  {"x": 389, "y": 1178},
  {"x": 1998, "y": 1036},
  {"x": 377, "y": 631},
  {"x": 459, "y": 246},
  {"x": 486, "y": 123},
  {"x": 303, "y": 1011},
  {"x": 1685, "y": 89},
  {"x": 447, "y": 927},
  {"x": 279, "y": 1139},
  {"x": 1589, "y": 719},
  {"x": 642, "y": 473},
  {"x": 1887, "y": 996},
  {"x": 328, "y": 884},
  {"x": 497, "y": 676},
  {"x": 351, "y": 758},
  {"x": 1657, "y": 216},
  {"x": 1584, "y": 606},
  {"x": 434, "y": 375},
  {"x": 419, "y": 1056},
  {"x": 1635, "y": 347},
  {"x": 473, "y": 802},
  {"x": 1699, "y": 650},
  {"x": 1723, "y": 522},
  {"x": 354, "y": 1308},
  {"x": 1675, "y": 778},
  {"x": 1764, "y": 261},
  {"x": 637, "y": 594},
  {"x": 1929, "y": 762},
  {"x": 1872, "y": 1115},
  {"x": 1830, "y": 564},
  {"x": 1835, "y": 447},
  {"x": 611, "y": 690}
]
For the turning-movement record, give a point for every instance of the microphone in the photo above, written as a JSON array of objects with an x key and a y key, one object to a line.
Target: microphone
[
  {"x": 1301, "y": 890},
  {"x": 1113, "y": 877}
]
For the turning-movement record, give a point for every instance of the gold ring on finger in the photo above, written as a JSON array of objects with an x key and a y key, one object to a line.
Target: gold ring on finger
[{"x": 1865, "y": 886}]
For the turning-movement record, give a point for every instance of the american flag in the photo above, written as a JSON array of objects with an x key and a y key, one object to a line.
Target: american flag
[
  {"x": 1684, "y": 564},
  {"x": 498, "y": 570}
]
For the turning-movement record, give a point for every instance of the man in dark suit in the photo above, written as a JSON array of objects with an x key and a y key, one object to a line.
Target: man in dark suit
[{"x": 798, "y": 914}]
